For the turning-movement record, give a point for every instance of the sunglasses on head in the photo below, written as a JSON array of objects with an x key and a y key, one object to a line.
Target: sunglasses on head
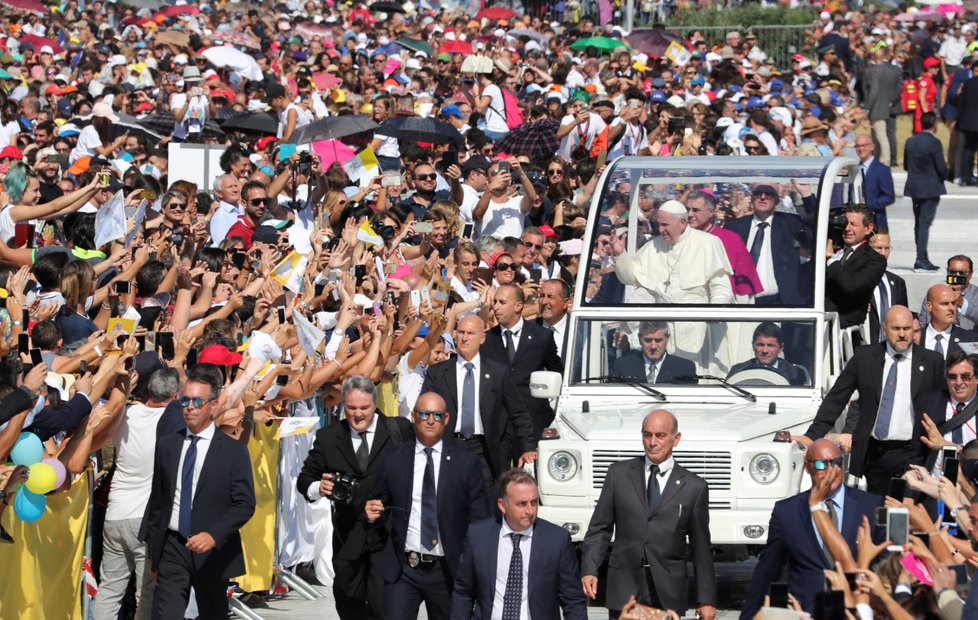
[
  {"x": 423, "y": 415},
  {"x": 823, "y": 464},
  {"x": 506, "y": 267},
  {"x": 425, "y": 177},
  {"x": 196, "y": 402}
]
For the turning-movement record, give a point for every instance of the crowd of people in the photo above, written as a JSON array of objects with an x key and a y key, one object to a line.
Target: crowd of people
[{"x": 155, "y": 328}]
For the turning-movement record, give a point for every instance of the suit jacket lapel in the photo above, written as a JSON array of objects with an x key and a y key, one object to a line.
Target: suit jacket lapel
[
  {"x": 850, "y": 518},
  {"x": 526, "y": 340},
  {"x": 212, "y": 456},
  {"x": 805, "y": 516},
  {"x": 491, "y": 560},
  {"x": 637, "y": 475},
  {"x": 381, "y": 438},
  {"x": 451, "y": 390},
  {"x": 536, "y": 566},
  {"x": 676, "y": 482},
  {"x": 877, "y": 370},
  {"x": 487, "y": 402},
  {"x": 916, "y": 374},
  {"x": 346, "y": 446}
]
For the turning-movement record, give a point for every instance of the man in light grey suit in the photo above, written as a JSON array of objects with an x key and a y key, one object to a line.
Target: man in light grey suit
[
  {"x": 882, "y": 81},
  {"x": 651, "y": 504}
]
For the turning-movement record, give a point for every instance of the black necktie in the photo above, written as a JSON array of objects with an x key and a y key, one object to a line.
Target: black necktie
[
  {"x": 834, "y": 515},
  {"x": 510, "y": 347},
  {"x": 187, "y": 487},
  {"x": 513, "y": 595},
  {"x": 363, "y": 452},
  {"x": 755, "y": 247},
  {"x": 653, "y": 490},
  {"x": 468, "y": 401},
  {"x": 429, "y": 505},
  {"x": 957, "y": 435},
  {"x": 846, "y": 253}
]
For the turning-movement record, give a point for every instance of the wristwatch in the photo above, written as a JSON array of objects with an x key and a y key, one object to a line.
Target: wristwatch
[
  {"x": 819, "y": 507},
  {"x": 955, "y": 511}
]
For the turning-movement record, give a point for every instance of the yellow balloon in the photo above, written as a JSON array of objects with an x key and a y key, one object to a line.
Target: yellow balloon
[{"x": 41, "y": 479}]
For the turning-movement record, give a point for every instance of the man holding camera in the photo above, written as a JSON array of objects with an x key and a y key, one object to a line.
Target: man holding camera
[
  {"x": 853, "y": 270},
  {"x": 960, "y": 268},
  {"x": 341, "y": 466}
]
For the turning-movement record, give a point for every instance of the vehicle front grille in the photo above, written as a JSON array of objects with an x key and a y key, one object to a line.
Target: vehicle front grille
[{"x": 714, "y": 467}]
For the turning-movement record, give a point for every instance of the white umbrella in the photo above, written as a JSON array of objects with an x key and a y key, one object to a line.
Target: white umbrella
[
  {"x": 234, "y": 59},
  {"x": 477, "y": 64}
]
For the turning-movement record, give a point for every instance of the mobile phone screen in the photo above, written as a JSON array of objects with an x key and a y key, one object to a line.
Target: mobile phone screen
[
  {"x": 23, "y": 343},
  {"x": 36, "y": 358},
  {"x": 281, "y": 315},
  {"x": 898, "y": 489},
  {"x": 897, "y": 526},
  {"x": 951, "y": 469},
  {"x": 164, "y": 343}
]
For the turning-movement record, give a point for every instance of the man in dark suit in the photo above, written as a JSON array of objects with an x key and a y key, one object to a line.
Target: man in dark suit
[
  {"x": 952, "y": 410},
  {"x": 428, "y": 491},
  {"x": 652, "y": 364},
  {"x": 877, "y": 180},
  {"x": 923, "y": 159},
  {"x": 853, "y": 271},
  {"x": 774, "y": 240},
  {"x": 768, "y": 343},
  {"x": 941, "y": 334},
  {"x": 652, "y": 504},
  {"x": 524, "y": 566},
  {"x": 891, "y": 291},
  {"x": 892, "y": 378},
  {"x": 524, "y": 347},
  {"x": 202, "y": 494},
  {"x": 792, "y": 538},
  {"x": 477, "y": 394},
  {"x": 967, "y": 124},
  {"x": 353, "y": 447}
]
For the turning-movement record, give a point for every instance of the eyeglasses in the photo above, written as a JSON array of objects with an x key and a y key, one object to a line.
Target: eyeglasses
[
  {"x": 752, "y": 149},
  {"x": 823, "y": 464},
  {"x": 196, "y": 402},
  {"x": 176, "y": 206},
  {"x": 506, "y": 267},
  {"x": 258, "y": 201},
  {"x": 425, "y": 177},
  {"x": 864, "y": 146},
  {"x": 527, "y": 244},
  {"x": 555, "y": 172},
  {"x": 965, "y": 376},
  {"x": 765, "y": 196},
  {"x": 423, "y": 415}
]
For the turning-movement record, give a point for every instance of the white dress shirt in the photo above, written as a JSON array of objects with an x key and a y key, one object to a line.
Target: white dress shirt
[
  {"x": 559, "y": 330},
  {"x": 517, "y": 331},
  {"x": 901, "y": 421},
  {"x": 765, "y": 262},
  {"x": 313, "y": 491},
  {"x": 649, "y": 364},
  {"x": 930, "y": 338},
  {"x": 460, "y": 363},
  {"x": 203, "y": 444},
  {"x": 504, "y": 555},
  {"x": 876, "y": 297},
  {"x": 224, "y": 218},
  {"x": 968, "y": 430},
  {"x": 413, "y": 540},
  {"x": 665, "y": 471}
]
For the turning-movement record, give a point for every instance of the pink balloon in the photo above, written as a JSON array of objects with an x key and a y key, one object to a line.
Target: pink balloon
[{"x": 59, "y": 469}]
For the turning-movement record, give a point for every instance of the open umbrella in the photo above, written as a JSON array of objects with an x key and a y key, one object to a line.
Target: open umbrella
[
  {"x": 234, "y": 59},
  {"x": 950, "y": 9},
  {"x": 175, "y": 10},
  {"x": 173, "y": 37},
  {"x": 652, "y": 41},
  {"x": 26, "y": 6},
  {"x": 332, "y": 128},
  {"x": 416, "y": 129},
  {"x": 496, "y": 13},
  {"x": 39, "y": 42},
  {"x": 416, "y": 45},
  {"x": 602, "y": 44},
  {"x": 537, "y": 139},
  {"x": 920, "y": 16},
  {"x": 477, "y": 64},
  {"x": 330, "y": 151},
  {"x": 539, "y": 37},
  {"x": 163, "y": 122},
  {"x": 455, "y": 47},
  {"x": 126, "y": 125},
  {"x": 242, "y": 39},
  {"x": 261, "y": 123},
  {"x": 386, "y": 7},
  {"x": 152, "y": 5}
]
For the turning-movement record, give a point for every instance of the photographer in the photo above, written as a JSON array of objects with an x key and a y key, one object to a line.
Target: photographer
[{"x": 341, "y": 466}]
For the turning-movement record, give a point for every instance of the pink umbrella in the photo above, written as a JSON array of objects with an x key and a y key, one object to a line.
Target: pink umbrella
[
  {"x": 920, "y": 16},
  {"x": 27, "y": 6},
  {"x": 950, "y": 9},
  {"x": 330, "y": 151},
  {"x": 39, "y": 42},
  {"x": 182, "y": 9},
  {"x": 456, "y": 47}
]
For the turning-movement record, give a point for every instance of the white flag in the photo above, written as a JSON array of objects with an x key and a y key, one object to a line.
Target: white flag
[
  {"x": 110, "y": 221},
  {"x": 137, "y": 221},
  {"x": 309, "y": 335}
]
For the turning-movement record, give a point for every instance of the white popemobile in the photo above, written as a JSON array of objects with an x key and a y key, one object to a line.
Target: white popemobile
[{"x": 736, "y": 426}]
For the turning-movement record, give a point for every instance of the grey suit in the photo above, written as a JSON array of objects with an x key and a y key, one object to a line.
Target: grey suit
[
  {"x": 658, "y": 538},
  {"x": 967, "y": 318},
  {"x": 881, "y": 92},
  {"x": 923, "y": 158}
]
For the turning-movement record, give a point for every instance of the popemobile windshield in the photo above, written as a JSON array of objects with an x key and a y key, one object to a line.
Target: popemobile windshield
[{"x": 721, "y": 320}]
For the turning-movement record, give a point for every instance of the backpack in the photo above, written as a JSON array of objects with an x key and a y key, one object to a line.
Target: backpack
[
  {"x": 511, "y": 107},
  {"x": 908, "y": 96}
]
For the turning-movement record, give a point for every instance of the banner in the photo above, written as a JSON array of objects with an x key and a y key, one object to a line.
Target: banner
[
  {"x": 42, "y": 571},
  {"x": 258, "y": 534}
]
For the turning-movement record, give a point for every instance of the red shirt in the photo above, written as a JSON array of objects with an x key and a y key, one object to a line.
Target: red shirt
[{"x": 243, "y": 228}]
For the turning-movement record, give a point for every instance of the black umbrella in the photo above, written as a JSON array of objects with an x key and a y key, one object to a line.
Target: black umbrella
[
  {"x": 161, "y": 123},
  {"x": 332, "y": 128},
  {"x": 255, "y": 122},
  {"x": 532, "y": 139},
  {"x": 126, "y": 125},
  {"x": 417, "y": 129},
  {"x": 386, "y": 7}
]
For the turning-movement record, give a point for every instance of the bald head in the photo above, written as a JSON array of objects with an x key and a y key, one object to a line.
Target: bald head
[
  {"x": 660, "y": 434},
  {"x": 819, "y": 462},
  {"x": 824, "y": 449},
  {"x": 942, "y": 305},
  {"x": 898, "y": 328},
  {"x": 430, "y": 401},
  {"x": 470, "y": 333}
]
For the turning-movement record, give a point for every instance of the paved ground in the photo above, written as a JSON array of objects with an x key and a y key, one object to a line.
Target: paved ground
[{"x": 950, "y": 235}]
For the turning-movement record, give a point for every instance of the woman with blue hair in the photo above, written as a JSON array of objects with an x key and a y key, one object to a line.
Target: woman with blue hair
[{"x": 18, "y": 201}]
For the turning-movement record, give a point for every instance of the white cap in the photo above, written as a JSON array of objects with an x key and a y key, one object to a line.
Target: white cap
[
  {"x": 116, "y": 60},
  {"x": 180, "y": 59},
  {"x": 674, "y": 207},
  {"x": 46, "y": 49},
  {"x": 412, "y": 63},
  {"x": 676, "y": 101}
]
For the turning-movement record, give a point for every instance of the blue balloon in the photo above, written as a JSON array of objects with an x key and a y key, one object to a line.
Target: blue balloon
[
  {"x": 29, "y": 506},
  {"x": 27, "y": 450}
]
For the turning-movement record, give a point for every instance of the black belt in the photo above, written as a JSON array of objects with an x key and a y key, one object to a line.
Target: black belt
[
  {"x": 415, "y": 558},
  {"x": 892, "y": 444},
  {"x": 461, "y": 437}
]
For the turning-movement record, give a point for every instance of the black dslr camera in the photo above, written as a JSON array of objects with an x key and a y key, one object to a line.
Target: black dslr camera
[
  {"x": 345, "y": 487},
  {"x": 305, "y": 161}
]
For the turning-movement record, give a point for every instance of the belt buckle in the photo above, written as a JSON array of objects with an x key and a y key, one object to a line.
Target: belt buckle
[{"x": 414, "y": 558}]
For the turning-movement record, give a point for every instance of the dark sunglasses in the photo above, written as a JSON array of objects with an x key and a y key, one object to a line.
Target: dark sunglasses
[
  {"x": 506, "y": 267},
  {"x": 177, "y": 206},
  {"x": 555, "y": 172},
  {"x": 823, "y": 464},
  {"x": 527, "y": 244},
  {"x": 965, "y": 376},
  {"x": 259, "y": 201},
  {"x": 196, "y": 402},
  {"x": 423, "y": 415},
  {"x": 765, "y": 194},
  {"x": 425, "y": 177}
]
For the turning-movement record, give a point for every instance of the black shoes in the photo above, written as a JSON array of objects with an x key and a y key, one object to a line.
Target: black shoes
[{"x": 925, "y": 266}]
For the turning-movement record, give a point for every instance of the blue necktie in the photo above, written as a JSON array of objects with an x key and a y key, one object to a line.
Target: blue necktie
[
  {"x": 957, "y": 435},
  {"x": 513, "y": 596},
  {"x": 468, "y": 402},
  {"x": 886, "y": 401},
  {"x": 429, "y": 505},
  {"x": 187, "y": 487}
]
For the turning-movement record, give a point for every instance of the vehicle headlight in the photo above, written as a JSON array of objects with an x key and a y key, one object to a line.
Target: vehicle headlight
[
  {"x": 562, "y": 466},
  {"x": 764, "y": 468}
]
